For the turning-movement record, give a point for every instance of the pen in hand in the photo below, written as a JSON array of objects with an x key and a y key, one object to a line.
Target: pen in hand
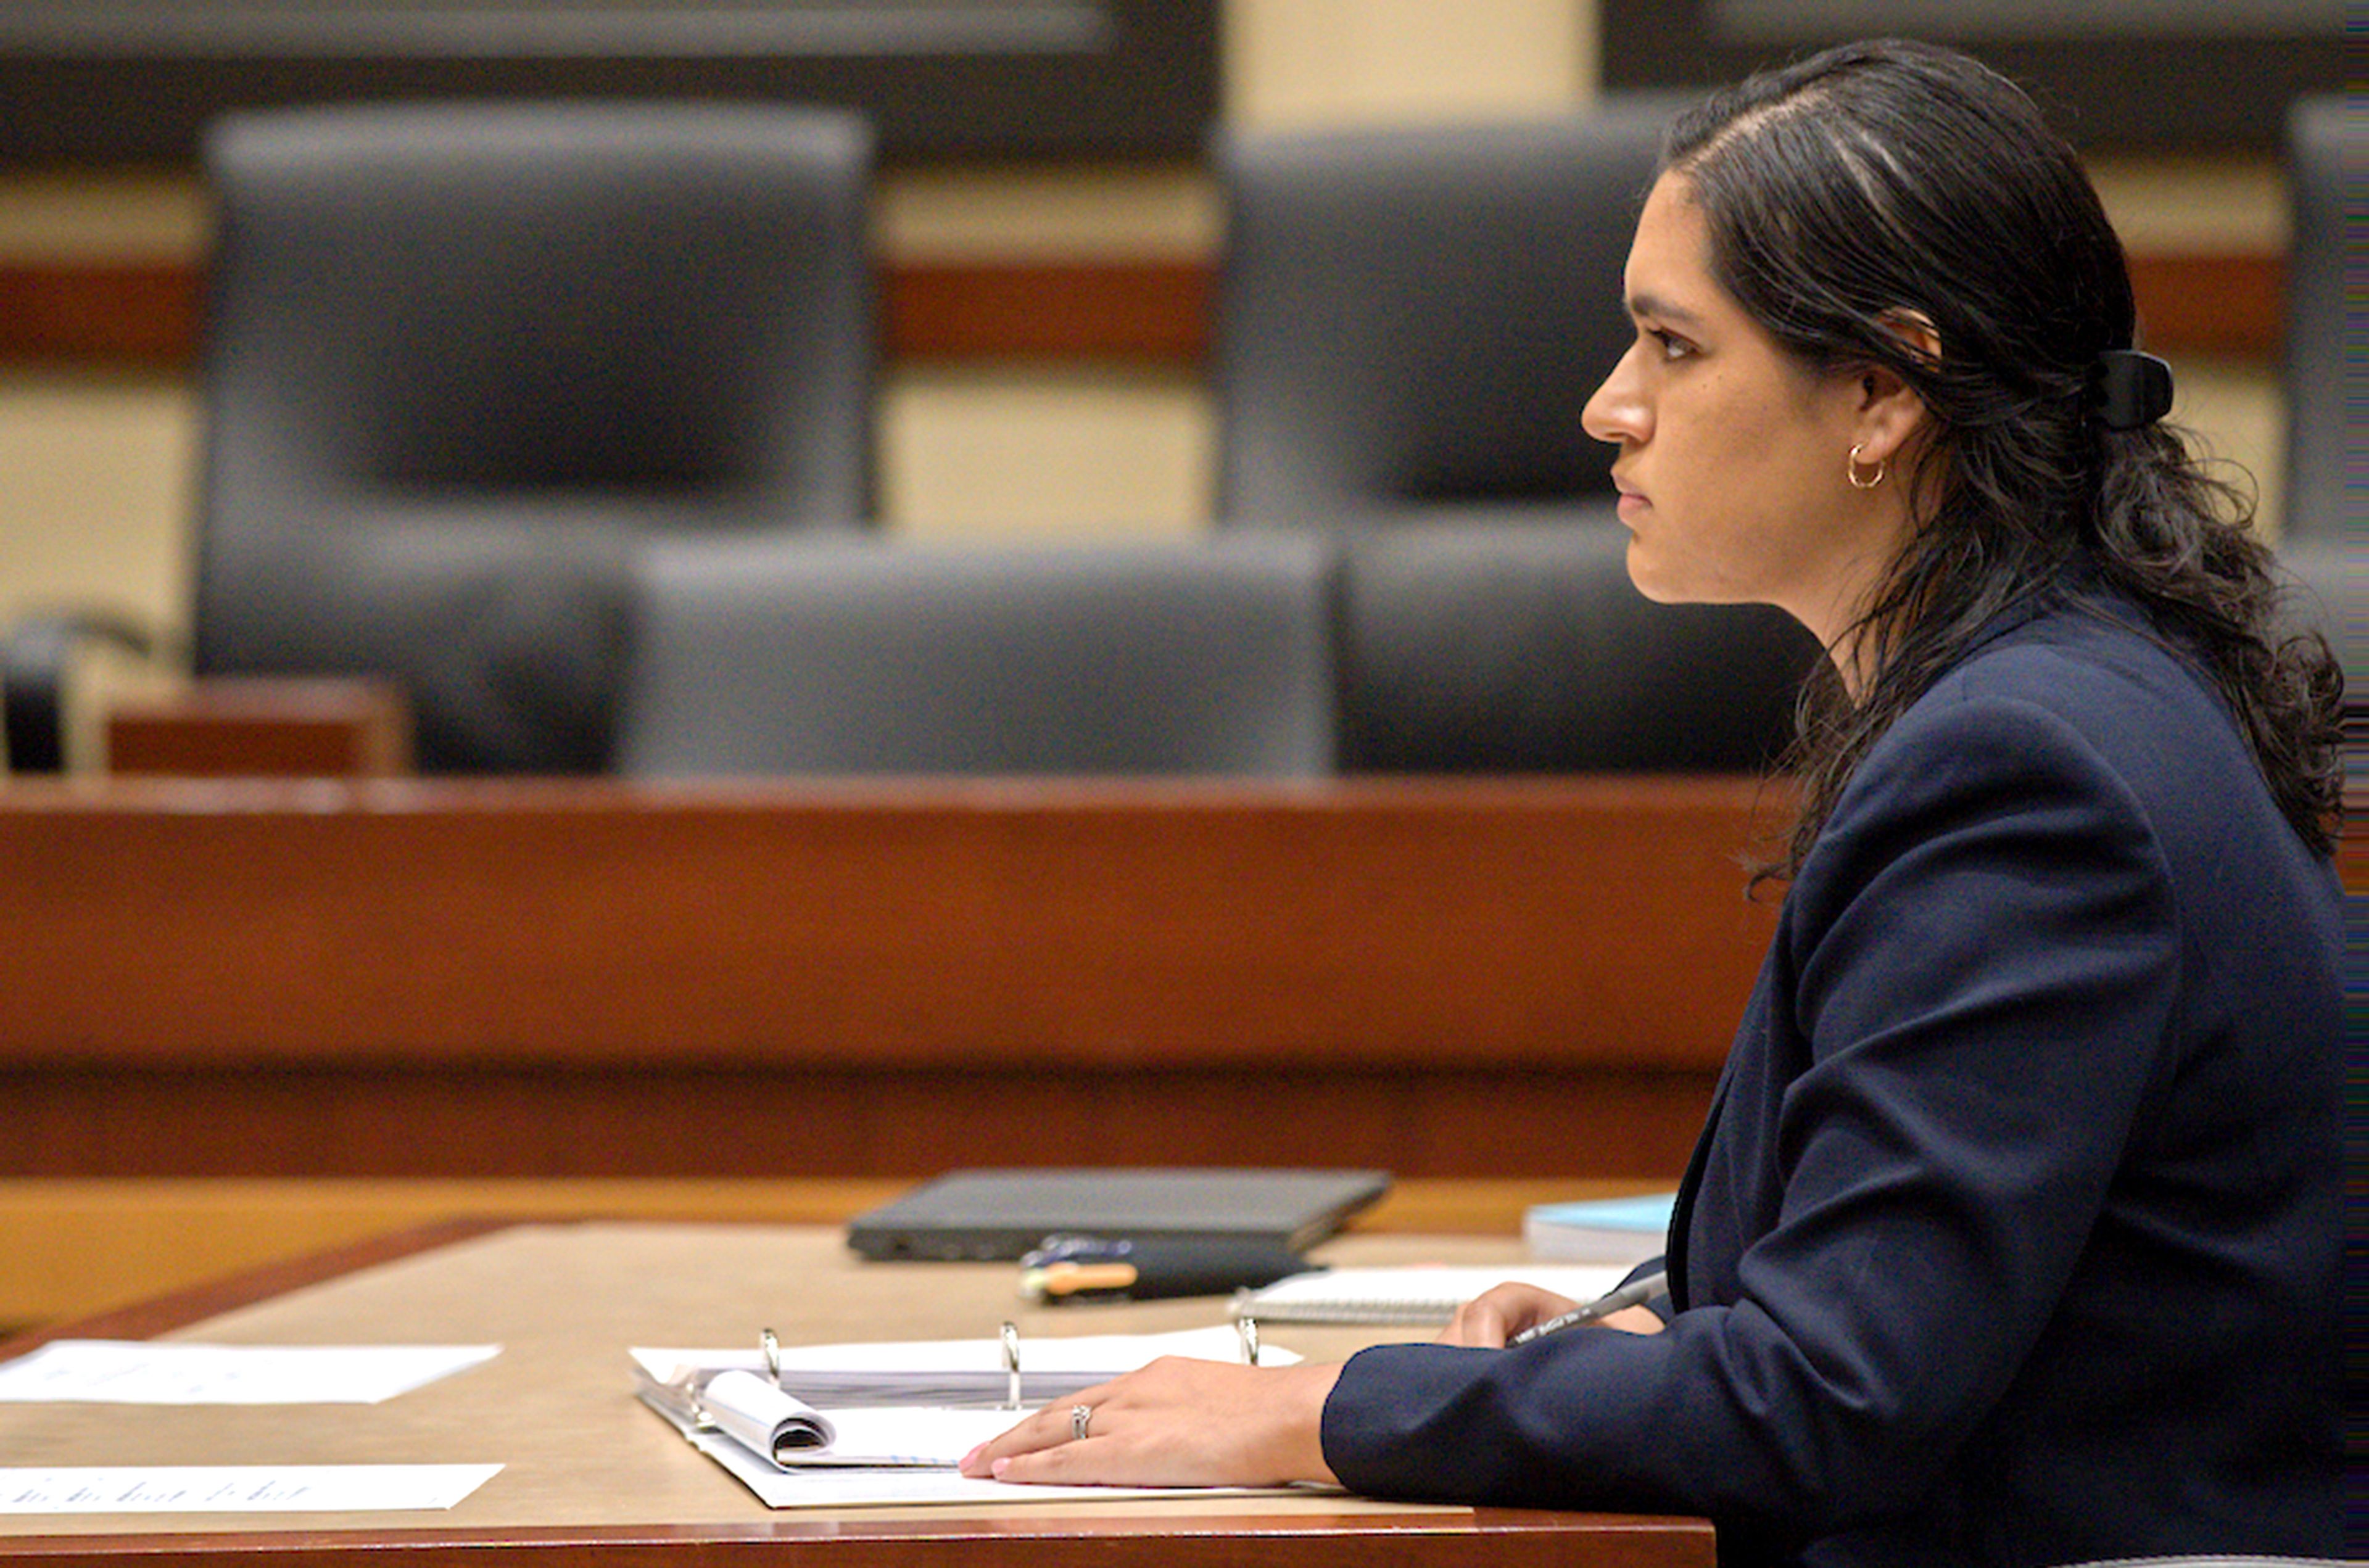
[{"x": 1636, "y": 1293}]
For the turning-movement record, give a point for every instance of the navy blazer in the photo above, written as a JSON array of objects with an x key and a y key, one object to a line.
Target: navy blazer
[{"x": 2015, "y": 1233}]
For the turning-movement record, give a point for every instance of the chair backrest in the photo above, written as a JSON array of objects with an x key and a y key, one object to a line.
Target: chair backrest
[
  {"x": 461, "y": 356},
  {"x": 803, "y": 656},
  {"x": 2327, "y": 386},
  {"x": 1410, "y": 322},
  {"x": 1495, "y": 646},
  {"x": 1417, "y": 315}
]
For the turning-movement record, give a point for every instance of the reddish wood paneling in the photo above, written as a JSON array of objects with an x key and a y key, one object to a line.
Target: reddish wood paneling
[
  {"x": 1145, "y": 311},
  {"x": 1452, "y": 978},
  {"x": 794, "y": 1119},
  {"x": 105, "y": 313},
  {"x": 934, "y": 925},
  {"x": 2233, "y": 304},
  {"x": 1149, "y": 312},
  {"x": 226, "y": 728}
]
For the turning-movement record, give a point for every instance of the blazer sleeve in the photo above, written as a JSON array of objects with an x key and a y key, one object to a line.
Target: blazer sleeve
[{"x": 1971, "y": 987}]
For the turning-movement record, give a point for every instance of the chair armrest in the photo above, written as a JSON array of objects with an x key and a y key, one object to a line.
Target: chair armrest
[{"x": 34, "y": 665}]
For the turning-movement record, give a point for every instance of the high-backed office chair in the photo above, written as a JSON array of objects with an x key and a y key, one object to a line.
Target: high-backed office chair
[
  {"x": 2328, "y": 388},
  {"x": 1414, "y": 316},
  {"x": 859, "y": 657},
  {"x": 2325, "y": 542},
  {"x": 1409, "y": 323},
  {"x": 461, "y": 359},
  {"x": 1494, "y": 646}
]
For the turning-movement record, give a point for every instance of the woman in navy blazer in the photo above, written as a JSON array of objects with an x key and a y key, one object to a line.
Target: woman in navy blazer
[{"x": 2014, "y": 1233}]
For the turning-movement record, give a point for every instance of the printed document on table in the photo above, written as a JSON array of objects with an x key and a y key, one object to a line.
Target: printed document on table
[
  {"x": 107, "y": 1371},
  {"x": 238, "y": 1489}
]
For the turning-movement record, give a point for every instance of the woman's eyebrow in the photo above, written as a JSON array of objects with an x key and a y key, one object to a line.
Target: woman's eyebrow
[{"x": 1643, "y": 305}]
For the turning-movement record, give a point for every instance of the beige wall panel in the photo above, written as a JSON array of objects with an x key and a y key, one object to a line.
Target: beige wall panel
[
  {"x": 968, "y": 213},
  {"x": 2194, "y": 204},
  {"x": 2237, "y": 411},
  {"x": 95, "y": 507},
  {"x": 103, "y": 217},
  {"x": 1007, "y": 452},
  {"x": 1293, "y": 62}
]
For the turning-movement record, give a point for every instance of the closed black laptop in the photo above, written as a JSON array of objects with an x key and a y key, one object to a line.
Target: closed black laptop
[{"x": 1000, "y": 1214}]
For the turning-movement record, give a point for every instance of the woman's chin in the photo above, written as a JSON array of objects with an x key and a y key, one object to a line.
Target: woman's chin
[
  {"x": 1655, "y": 579},
  {"x": 1666, "y": 581}
]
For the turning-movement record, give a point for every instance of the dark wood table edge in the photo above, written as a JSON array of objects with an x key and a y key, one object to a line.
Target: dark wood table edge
[
  {"x": 1346, "y": 1540},
  {"x": 1036, "y": 1537}
]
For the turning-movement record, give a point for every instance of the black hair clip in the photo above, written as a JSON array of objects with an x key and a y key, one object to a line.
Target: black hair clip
[{"x": 2129, "y": 389}]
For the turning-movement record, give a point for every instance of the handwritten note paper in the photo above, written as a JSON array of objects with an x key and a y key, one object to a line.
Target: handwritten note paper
[
  {"x": 239, "y": 1489},
  {"x": 164, "y": 1372}
]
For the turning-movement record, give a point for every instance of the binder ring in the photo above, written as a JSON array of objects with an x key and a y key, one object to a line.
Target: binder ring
[
  {"x": 772, "y": 1347},
  {"x": 1247, "y": 1327},
  {"x": 1010, "y": 1365}
]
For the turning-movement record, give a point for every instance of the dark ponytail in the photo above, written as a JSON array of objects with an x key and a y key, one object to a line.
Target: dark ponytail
[{"x": 1889, "y": 180}]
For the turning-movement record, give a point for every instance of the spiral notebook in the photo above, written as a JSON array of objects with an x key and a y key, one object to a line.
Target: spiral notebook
[{"x": 1416, "y": 1297}]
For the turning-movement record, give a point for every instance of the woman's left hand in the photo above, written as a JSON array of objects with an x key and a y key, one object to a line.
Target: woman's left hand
[{"x": 1176, "y": 1423}]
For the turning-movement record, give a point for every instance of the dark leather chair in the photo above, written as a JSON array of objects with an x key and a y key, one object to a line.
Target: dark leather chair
[
  {"x": 1410, "y": 321},
  {"x": 1482, "y": 645},
  {"x": 461, "y": 359},
  {"x": 2325, "y": 542},
  {"x": 1407, "y": 318},
  {"x": 2327, "y": 145},
  {"x": 778, "y": 657}
]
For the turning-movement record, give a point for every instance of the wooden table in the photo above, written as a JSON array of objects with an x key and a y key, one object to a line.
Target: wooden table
[
  {"x": 594, "y": 1481},
  {"x": 73, "y": 1248}
]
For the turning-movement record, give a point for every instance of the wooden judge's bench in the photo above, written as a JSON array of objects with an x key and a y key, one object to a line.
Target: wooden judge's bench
[
  {"x": 396, "y": 977},
  {"x": 362, "y": 978}
]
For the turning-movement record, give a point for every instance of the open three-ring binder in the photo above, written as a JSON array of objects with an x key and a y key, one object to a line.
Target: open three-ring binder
[{"x": 888, "y": 1422}]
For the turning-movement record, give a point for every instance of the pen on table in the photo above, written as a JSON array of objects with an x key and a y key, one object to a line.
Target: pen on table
[
  {"x": 1093, "y": 1268},
  {"x": 1636, "y": 1293}
]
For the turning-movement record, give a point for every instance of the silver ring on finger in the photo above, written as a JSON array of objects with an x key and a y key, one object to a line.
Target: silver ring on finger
[{"x": 1079, "y": 1415}]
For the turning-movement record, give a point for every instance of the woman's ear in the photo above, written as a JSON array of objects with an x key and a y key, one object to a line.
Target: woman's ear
[{"x": 1890, "y": 412}]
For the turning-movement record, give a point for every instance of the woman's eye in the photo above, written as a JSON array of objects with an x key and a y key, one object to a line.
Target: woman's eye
[{"x": 1671, "y": 345}]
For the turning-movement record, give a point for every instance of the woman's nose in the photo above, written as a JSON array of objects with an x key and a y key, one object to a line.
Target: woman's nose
[{"x": 1616, "y": 412}]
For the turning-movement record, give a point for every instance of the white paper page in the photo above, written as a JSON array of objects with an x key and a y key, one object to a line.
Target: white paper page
[
  {"x": 904, "y": 1435},
  {"x": 828, "y": 1487},
  {"x": 239, "y": 1489},
  {"x": 171, "y": 1372}
]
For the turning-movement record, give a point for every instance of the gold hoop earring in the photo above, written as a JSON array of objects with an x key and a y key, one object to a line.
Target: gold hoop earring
[{"x": 1850, "y": 472}]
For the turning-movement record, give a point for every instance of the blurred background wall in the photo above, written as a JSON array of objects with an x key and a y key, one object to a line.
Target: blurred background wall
[{"x": 96, "y": 459}]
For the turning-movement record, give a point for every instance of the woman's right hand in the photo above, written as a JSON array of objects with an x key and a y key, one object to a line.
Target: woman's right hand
[{"x": 1497, "y": 1315}]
